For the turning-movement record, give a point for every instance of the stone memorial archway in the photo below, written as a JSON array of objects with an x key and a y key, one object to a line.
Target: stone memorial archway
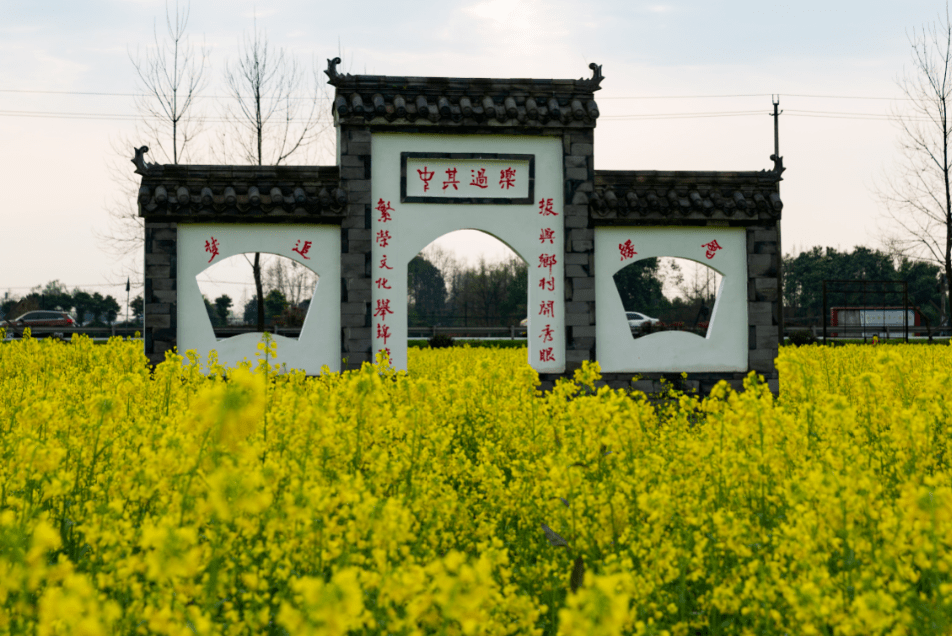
[{"x": 422, "y": 156}]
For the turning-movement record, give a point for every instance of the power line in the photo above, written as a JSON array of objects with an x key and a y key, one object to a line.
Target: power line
[
  {"x": 227, "y": 282},
  {"x": 77, "y": 286},
  {"x": 626, "y": 117},
  {"x": 20, "y": 90},
  {"x": 895, "y": 99},
  {"x": 728, "y": 96},
  {"x": 632, "y": 117},
  {"x": 99, "y": 94},
  {"x": 37, "y": 114},
  {"x": 835, "y": 112},
  {"x": 850, "y": 117},
  {"x": 683, "y": 96},
  {"x": 811, "y": 96},
  {"x": 726, "y": 113}
]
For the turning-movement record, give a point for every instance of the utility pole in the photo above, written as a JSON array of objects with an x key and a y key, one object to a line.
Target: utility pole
[
  {"x": 778, "y": 170},
  {"x": 776, "y": 125}
]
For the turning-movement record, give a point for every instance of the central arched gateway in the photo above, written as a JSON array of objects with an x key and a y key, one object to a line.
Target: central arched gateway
[{"x": 425, "y": 186}]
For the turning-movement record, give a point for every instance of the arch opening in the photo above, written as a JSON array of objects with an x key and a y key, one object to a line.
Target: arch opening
[
  {"x": 470, "y": 283},
  {"x": 668, "y": 294},
  {"x": 229, "y": 292}
]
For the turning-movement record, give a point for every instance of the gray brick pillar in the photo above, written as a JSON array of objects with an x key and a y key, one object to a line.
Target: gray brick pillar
[
  {"x": 161, "y": 288},
  {"x": 356, "y": 337},
  {"x": 579, "y": 166}
]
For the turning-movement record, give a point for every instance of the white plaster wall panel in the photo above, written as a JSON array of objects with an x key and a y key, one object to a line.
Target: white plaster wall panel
[
  {"x": 319, "y": 342},
  {"x": 725, "y": 346},
  {"x": 409, "y": 227}
]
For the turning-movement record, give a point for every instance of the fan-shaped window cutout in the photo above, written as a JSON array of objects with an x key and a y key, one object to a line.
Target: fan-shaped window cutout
[
  {"x": 468, "y": 283},
  {"x": 668, "y": 294},
  {"x": 230, "y": 293}
]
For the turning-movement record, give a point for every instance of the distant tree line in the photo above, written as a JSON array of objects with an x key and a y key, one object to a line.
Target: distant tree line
[
  {"x": 673, "y": 291},
  {"x": 287, "y": 287},
  {"x": 495, "y": 294},
  {"x": 443, "y": 292},
  {"x": 99, "y": 309},
  {"x": 481, "y": 295},
  {"x": 803, "y": 277}
]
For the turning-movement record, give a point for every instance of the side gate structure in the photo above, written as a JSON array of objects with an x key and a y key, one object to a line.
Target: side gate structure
[{"x": 419, "y": 157}]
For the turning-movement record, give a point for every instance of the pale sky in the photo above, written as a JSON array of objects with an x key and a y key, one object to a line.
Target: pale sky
[{"x": 690, "y": 58}]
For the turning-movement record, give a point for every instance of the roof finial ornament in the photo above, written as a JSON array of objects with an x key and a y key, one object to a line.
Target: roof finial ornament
[
  {"x": 596, "y": 79},
  {"x": 334, "y": 78},
  {"x": 777, "y": 166},
  {"x": 139, "y": 160}
]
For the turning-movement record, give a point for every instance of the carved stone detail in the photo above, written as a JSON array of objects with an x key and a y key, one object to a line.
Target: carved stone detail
[
  {"x": 774, "y": 174},
  {"x": 594, "y": 82},
  {"x": 139, "y": 160},
  {"x": 333, "y": 77}
]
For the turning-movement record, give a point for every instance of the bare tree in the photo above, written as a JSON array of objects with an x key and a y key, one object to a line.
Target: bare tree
[
  {"x": 271, "y": 122},
  {"x": 170, "y": 78},
  {"x": 917, "y": 197},
  {"x": 292, "y": 279},
  {"x": 699, "y": 283},
  {"x": 443, "y": 259},
  {"x": 275, "y": 107},
  {"x": 170, "y": 74}
]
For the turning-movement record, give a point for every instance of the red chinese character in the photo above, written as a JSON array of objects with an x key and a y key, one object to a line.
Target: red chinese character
[
  {"x": 385, "y": 210},
  {"x": 383, "y": 331},
  {"x": 302, "y": 250},
  {"x": 383, "y": 263},
  {"x": 507, "y": 178},
  {"x": 547, "y": 260},
  {"x": 386, "y": 352},
  {"x": 479, "y": 179},
  {"x": 383, "y": 238},
  {"x": 425, "y": 178},
  {"x": 548, "y": 234},
  {"x": 547, "y": 284},
  {"x": 545, "y": 208},
  {"x": 383, "y": 308},
  {"x": 383, "y": 283},
  {"x": 546, "y": 355},
  {"x": 627, "y": 250},
  {"x": 451, "y": 180},
  {"x": 212, "y": 248},
  {"x": 546, "y": 334},
  {"x": 712, "y": 247},
  {"x": 547, "y": 308}
]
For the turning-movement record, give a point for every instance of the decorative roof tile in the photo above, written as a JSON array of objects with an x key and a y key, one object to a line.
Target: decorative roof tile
[
  {"x": 628, "y": 196},
  {"x": 170, "y": 192},
  {"x": 451, "y": 101}
]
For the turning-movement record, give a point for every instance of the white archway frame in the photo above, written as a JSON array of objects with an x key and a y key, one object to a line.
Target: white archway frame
[
  {"x": 319, "y": 342},
  {"x": 413, "y": 226},
  {"x": 726, "y": 344}
]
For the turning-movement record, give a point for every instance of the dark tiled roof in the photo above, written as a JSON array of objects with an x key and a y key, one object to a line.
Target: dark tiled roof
[
  {"x": 235, "y": 192},
  {"x": 452, "y": 101},
  {"x": 622, "y": 195}
]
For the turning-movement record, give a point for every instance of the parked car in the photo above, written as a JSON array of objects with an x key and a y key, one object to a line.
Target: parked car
[
  {"x": 38, "y": 319},
  {"x": 638, "y": 321}
]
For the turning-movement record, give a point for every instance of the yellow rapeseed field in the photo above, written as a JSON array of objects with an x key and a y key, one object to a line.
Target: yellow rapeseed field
[{"x": 455, "y": 499}]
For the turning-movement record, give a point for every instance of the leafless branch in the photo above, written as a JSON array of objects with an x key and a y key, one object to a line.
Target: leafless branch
[
  {"x": 270, "y": 124},
  {"x": 917, "y": 194},
  {"x": 171, "y": 75}
]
